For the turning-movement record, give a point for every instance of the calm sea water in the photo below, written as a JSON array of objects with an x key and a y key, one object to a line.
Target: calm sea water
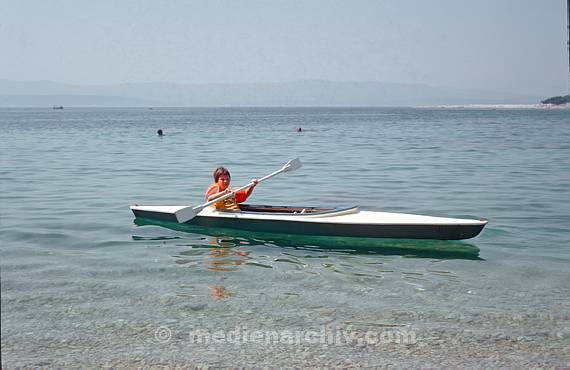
[{"x": 83, "y": 284}]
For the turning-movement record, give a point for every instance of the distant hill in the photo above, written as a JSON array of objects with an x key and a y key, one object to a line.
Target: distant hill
[
  {"x": 299, "y": 93},
  {"x": 557, "y": 100},
  {"x": 70, "y": 101}
]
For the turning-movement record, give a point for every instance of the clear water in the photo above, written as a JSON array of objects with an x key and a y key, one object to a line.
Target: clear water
[{"x": 83, "y": 284}]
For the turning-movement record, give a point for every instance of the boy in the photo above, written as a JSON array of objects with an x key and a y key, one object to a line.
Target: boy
[{"x": 221, "y": 187}]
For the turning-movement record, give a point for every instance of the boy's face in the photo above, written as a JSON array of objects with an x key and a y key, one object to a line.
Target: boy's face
[{"x": 224, "y": 182}]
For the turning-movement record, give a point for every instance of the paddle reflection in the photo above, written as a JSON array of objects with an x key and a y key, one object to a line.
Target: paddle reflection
[{"x": 228, "y": 259}]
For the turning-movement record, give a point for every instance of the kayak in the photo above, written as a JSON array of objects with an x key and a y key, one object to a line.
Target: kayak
[{"x": 339, "y": 221}]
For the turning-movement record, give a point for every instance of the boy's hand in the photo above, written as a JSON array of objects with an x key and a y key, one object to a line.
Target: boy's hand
[{"x": 254, "y": 182}]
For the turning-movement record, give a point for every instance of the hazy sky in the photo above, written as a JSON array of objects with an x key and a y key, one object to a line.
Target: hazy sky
[{"x": 505, "y": 45}]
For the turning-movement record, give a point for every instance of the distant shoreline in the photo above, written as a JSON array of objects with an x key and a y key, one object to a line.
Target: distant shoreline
[
  {"x": 442, "y": 106},
  {"x": 501, "y": 106},
  {"x": 295, "y": 93}
]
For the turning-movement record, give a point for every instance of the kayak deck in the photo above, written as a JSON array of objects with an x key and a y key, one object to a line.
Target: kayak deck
[{"x": 344, "y": 221}]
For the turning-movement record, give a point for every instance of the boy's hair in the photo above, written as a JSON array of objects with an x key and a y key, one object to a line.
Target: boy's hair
[{"x": 221, "y": 171}]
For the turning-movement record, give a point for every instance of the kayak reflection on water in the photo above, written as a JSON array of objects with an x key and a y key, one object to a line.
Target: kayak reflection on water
[{"x": 439, "y": 249}]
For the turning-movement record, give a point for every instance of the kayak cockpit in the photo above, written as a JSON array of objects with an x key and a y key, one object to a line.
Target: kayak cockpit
[
  {"x": 282, "y": 209},
  {"x": 295, "y": 211}
]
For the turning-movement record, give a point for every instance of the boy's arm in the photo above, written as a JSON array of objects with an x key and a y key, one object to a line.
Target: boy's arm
[
  {"x": 213, "y": 193},
  {"x": 244, "y": 194}
]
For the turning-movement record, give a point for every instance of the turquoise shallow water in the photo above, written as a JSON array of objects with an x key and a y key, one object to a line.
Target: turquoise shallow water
[{"x": 82, "y": 283}]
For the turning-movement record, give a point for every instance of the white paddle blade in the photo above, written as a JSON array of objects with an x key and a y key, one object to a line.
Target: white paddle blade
[
  {"x": 185, "y": 214},
  {"x": 292, "y": 165}
]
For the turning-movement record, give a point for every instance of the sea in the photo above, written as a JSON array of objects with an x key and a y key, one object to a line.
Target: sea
[{"x": 85, "y": 284}]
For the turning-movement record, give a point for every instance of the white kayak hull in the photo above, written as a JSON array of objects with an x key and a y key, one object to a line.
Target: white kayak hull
[{"x": 344, "y": 222}]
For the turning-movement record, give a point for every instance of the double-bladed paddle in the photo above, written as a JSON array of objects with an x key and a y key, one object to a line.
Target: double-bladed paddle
[{"x": 188, "y": 213}]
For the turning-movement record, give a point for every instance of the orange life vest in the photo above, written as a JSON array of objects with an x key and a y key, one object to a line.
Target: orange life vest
[{"x": 230, "y": 203}]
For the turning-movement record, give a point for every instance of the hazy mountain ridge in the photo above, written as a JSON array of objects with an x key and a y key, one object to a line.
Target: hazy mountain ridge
[
  {"x": 69, "y": 100},
  {"x": 298, "y": 93}
]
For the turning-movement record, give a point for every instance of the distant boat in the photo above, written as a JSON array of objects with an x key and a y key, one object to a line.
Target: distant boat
[{"x": 58, "y": 107}]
